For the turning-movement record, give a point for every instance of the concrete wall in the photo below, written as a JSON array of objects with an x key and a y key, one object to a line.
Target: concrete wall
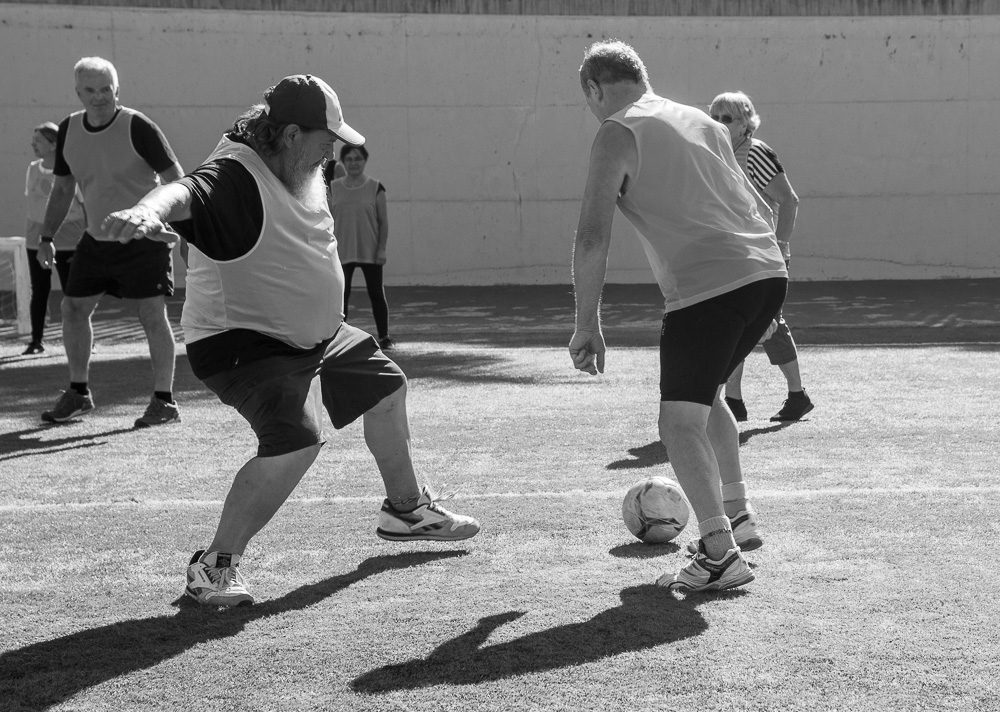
[{"x": 477, "y": 126}]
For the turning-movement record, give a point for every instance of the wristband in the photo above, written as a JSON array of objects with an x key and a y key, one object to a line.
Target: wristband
[{"x": 46, "y": 238}]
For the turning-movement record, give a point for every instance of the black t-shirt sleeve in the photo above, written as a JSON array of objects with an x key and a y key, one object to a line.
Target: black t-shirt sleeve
[
  {"x": 227, "y": 214},
  {"x": 61, "y": 168},
  {"x": 151, "y": 144}
]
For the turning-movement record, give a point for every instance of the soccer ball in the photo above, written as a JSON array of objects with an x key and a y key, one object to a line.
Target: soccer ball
[{"x": 655, "y": 510}]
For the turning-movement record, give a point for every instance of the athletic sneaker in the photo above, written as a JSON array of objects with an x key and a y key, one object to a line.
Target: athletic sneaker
[
  {"x": 738, "y": 407},
  {"x": 158, "y": 412},
  {"x": 795, "y": 406},
  {"x": 386, "y": 343},
  {"x": 215, "y": 580},
  {"x": 35, "y": 347},
  {"x": 704, "y": 574},
  {"x": 744, "y": 532},
  {"x": 69, "y": 405},
  {"x": 429, "y": 521}
]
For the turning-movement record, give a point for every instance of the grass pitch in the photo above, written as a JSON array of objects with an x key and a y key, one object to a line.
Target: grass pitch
[{"x": 873, "y": 589}]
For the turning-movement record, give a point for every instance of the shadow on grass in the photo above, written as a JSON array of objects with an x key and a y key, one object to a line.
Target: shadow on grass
[
  {"x": 42, "y": 675},
  {"x": 656, "y": 454},
  {"x": 649, "y": 616},
  {"x": 34, "y": 388},
  {"x": 22, "y": 443},
  {"x": 639, "y": 550}
]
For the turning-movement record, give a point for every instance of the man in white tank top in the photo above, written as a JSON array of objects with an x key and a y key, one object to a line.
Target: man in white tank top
[
  {"x": 263, "y": 324},
  {"x": 670, "y": 169}
]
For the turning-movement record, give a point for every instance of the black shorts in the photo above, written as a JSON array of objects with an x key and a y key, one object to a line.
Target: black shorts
[
  {"x": 282, "y": 395},
  {"x": 135, "y": 270},
  {"x": 701, "y": 345}
]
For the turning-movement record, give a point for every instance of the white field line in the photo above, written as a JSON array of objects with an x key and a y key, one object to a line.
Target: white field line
[{"x": 567, "y": 494}]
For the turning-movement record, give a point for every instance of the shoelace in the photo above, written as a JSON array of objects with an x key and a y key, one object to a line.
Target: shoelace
[{"x": 223, "y": 576}]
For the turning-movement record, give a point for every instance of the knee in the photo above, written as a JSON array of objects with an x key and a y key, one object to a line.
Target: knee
[
  {"x": 675, "y": 428},
  {"x": 393, "y": 401},
  {"x": 73, "y": 309},
  {"x": 152, "y": 315}
]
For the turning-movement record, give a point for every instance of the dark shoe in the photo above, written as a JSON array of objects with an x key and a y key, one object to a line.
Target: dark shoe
[
  {"x": 158, "y": 413},
  {"x": 69, "y": 405},
  {"x": 35, "y": 347},
  {"x": 738, "y": 407},
  {"x": 795, "y": 406},
  {"x": 386, "y": 344}
]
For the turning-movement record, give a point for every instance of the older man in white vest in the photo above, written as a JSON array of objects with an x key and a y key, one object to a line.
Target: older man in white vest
[{"x": 263, "y": 323}]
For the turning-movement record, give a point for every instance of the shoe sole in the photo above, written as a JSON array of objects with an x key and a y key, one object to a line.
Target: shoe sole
[
  {"x": 392, "y": 536},
  {"x": 246, "y": 600},
  {"x": 776, "y": 419},
  {"x": 714, "y": 586},
  {"x": 49, "y": 418}
]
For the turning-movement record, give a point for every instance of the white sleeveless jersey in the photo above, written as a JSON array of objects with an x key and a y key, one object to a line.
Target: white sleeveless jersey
[
  {"x": 110, "y": 172},
  {"x": 693, "y": 208},
  {"x": 289, "y": 286}
]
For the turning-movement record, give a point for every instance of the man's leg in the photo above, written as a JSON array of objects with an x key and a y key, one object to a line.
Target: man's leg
[
  {"x": 261, "y": 486},
  {"x": 387, "y": 434},
  {"x": 684, "y": 431},
  {"x": 78, "y": 334},
  {"x": 409, "y": 512},
  {"x": 159, "y": 335}
]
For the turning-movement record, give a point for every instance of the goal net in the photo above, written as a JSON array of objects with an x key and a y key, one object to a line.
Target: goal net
[{"x": 15, "y": 286}]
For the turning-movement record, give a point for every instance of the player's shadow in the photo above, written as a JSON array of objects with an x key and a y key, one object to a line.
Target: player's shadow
[
  {"x": 45, "y": 674},
  {"x": 23, "y": 443},
  {"x": 648, "y": 616},
  {"x": 656, "y": 454}
]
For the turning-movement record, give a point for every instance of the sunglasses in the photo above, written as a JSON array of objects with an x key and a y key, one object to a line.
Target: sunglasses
[{"x": 723, "y": 118}]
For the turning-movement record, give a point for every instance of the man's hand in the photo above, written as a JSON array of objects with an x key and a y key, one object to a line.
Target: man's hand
[
  {"x": 135, "y": 223},
  {"x": 46, "y": 254},
  {"x": 586, "y": 348}
]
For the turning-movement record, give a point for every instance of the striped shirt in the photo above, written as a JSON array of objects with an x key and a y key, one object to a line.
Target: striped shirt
[{"x": 761, "y": 164}]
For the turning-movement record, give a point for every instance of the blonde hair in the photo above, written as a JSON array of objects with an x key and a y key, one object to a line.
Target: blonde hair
[
  {"x": 96, "y": 64},
  {"x": 738, "y": 105}
]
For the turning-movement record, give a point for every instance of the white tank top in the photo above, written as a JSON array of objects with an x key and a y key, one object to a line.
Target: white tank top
[
  {"x": 289, "y": 286},
  {"x": 691, "y": 205},
  {"x": 111, "y": 174}
]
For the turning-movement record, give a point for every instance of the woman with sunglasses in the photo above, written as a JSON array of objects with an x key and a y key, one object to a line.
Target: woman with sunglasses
[{"x": 760, "y": 163}]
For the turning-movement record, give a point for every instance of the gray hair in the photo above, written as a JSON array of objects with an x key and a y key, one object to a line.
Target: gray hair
[
  {"x": 96, "y": 64},
  {"x": 738, "y": 105},
  {"x": 612, "y": 61}
]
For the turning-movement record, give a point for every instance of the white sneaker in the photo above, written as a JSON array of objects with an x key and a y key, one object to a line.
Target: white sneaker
[
  {"x": 429, "y": 521},
  {"x": 704, "y": 574},
  {"x": 745, "y": 533},
  {"x": 214, "y": 579}
]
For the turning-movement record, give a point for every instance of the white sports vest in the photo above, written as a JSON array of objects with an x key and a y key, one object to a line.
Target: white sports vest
[
  {"x": 111, "y": 175},
  {"x": 290, "y": 286},
  {"x": 693, "y": 209}
]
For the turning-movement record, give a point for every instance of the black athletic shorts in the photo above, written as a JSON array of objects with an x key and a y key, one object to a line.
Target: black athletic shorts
[
  {"x": 702, "y": 344},
  {"x": 135, "y": 270},
  {"x": 282, "y": 394}
]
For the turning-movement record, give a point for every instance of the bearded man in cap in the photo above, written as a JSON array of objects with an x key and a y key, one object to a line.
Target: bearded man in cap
[{"x": 263, "y": 323}]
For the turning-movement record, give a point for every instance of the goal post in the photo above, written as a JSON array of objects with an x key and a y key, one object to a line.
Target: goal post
[{"x": 15, "y": 283}]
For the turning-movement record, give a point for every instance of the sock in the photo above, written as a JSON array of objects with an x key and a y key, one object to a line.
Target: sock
[
  {"x": 79, "y": 387},
  {"x": 219, "y": 559},
  {"x": 165, "y": 396},
  {"x": 404, "y": 504},
  {"x": 797, "y": 394},
  {"x": 716, "y": 536},
  {"x": 734, "y": 498}
]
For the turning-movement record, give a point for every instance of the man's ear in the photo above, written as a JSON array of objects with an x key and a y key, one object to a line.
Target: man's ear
[
  {"x": 594, "y": 89},
  {"x": 291, "y": 133}
]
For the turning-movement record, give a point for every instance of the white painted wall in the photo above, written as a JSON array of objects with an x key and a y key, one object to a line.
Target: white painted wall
[{"x": 886, "y": 125}]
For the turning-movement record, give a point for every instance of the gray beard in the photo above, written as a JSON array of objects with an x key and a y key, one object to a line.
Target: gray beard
[{"x": 305, "y": 183}]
